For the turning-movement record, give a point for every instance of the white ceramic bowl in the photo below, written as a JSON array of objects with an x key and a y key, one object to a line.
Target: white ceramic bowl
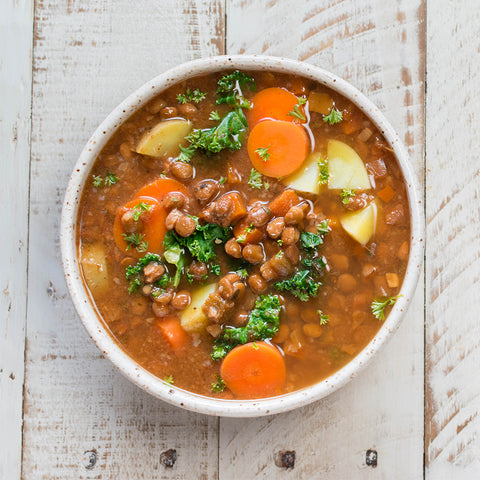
[{"x": 87, "y": 312}]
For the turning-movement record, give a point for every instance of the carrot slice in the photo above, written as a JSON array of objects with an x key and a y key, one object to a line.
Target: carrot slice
[
  {"x": 254, "y": 370},
  {"x": 286, "y": 143},
  {"x": 273, "y": 103},
  {"x": 280, "y": 205},
  {"x": 245, "y": 232},
  {"x": 159, "y": 189},
  {"x": 153, "y": 221},
  {"x": 174, "y": 333}
]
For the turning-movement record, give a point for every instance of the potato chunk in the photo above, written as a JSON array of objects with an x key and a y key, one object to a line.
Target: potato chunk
[
  {"x": 360, "y": 225},
  {"x": 94, "y": 267},
  {"x": 345, "y": 168},
  {"x": 192, "y": 318},
  {"x": 164, "y": 138},
  {"x": 306, "y": 178}
]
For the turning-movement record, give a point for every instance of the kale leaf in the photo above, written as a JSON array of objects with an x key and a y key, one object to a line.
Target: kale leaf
[
  {"x": 302, "y": 285},
  {"x": 229, "y": 89},
  {"x": 134, "y": 272},
  {"x": 227, "y": 134},
  {"x": 263, "y": 324},
  {"x": 201, "y": 245}
]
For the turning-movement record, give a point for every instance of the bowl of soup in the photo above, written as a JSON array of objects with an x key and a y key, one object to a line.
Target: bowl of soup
[{"x": 242, "y": 234}]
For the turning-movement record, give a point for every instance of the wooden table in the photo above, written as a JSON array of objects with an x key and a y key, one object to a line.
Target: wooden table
[{"x": 66, "y": 413}]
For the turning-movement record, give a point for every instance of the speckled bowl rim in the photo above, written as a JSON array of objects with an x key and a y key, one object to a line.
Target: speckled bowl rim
[{"x": 87, "y": 312}]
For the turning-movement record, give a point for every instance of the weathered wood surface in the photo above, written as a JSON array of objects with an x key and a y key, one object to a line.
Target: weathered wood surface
[
  {"x": 88, "y": 56},
  {"x": 452, "y": 260},
  {"x": 16, "y": 28},
  {"x": 379, "y": 47}
]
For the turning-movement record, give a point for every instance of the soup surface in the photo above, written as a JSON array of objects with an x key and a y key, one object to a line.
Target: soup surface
[{"x": 244, "y": 234}]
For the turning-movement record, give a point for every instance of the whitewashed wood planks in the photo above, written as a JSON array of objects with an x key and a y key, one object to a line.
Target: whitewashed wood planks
[
  {"x": 453, "y": 246},
  {"x": 79, "y": 411},
  {"x": 16, "y": 30},
  {"x": 379, "y": 47}
]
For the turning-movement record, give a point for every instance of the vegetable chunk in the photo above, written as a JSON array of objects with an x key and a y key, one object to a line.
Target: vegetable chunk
[
  {"x": 193, "y": 319},
  {"x": 346, "y": 169},
  {"x": 360, "y": 225},
  {"x": 254, "y": 370},
  {"x": 306, "y": 179},
  {"x": 94, "y": 266},
  {"x": 164, "y": 138}
]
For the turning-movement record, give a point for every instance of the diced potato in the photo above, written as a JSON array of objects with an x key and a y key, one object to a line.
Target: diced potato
[
  {"x": 320, "y": 102},
  {"x": 164, "y": 138},
  {"x": 306, "y": 178},
  {"x": 192, "y": 318},
  {"x": 94, "y": 267},
  {"x": 360, "y": 225},
  {"x": 345, "y": 168}
]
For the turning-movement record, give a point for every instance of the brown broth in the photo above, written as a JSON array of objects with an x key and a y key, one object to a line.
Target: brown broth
[{"x": 355, "y": 274}]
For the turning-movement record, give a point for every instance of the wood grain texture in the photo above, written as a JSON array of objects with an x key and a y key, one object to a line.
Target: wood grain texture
[
  {"x": 82, "y": 420},
  {"x": 379, "y": 47},
  {"x": 453, "y": 249},
  {"x": 16, "y": 27}
]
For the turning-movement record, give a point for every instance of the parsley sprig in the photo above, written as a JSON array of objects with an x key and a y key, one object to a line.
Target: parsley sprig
[
  {"x": 347, "y": 194},
  {"x": 191, "y": 96},
  {"x": 218, "y": 386},
  {"x": 138, "y": 209},
  {"x": 380, "y": 304},
  {"x": 263, "y": 153},
  {"x": 323, "y": 171},
  {"x": 335, "y": 116},
  {"x": 109, "y": 180},
  {"x": 136, "y": 241},
  {"x": 256, "y": 180}
]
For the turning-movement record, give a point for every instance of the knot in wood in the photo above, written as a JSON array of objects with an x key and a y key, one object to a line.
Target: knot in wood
[
  {"x": 371, "y": 458},
  {"x": 168, "y": 458},
  {"x": 285, "y": 459}
]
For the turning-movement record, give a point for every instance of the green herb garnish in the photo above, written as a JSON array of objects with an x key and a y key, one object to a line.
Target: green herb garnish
[
  {"x": 255, "y": 180},
  {"x": 134, "y": 273},
  {"x": 379, "y": 304},
  {"x": 191, "y": 96},
  {"x": 296, "y": 113},
  {"x": 301, "y": 285},
  {"x": 138, "y": 209},
  {"x": 323, "y": 172},
  {"x": 135, "y": 240},
  {"x": 229, "y": 89},
  {"x": 168, "y": 379},
  {"x": 335, "y": 116},
  {"x": 263, "y": 153},
  {"x": 323, "y": 318},
  {"x": 186, "y": 153},
  {"x": 263, "y": 323},
  {"x": 110, "y": 179},
  {"x": 227, "y": 134},
  {"x": 214, "y": 116},
  {"x": 218, "y": 386},
  {"x": 346, "y": 195}
]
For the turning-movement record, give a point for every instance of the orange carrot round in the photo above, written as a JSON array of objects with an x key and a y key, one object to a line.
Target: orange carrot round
[
  {"x": 152, "y": 220},
  {"x": 274, "y": 103},
  {"x": 176, "y": 336},
  {"x": 287, "y": 147},
  {"x": 254, "y": 370},
  {"x": 159, "y": 189}
]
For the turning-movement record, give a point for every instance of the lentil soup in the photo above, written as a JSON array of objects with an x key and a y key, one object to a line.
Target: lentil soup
[{"x": 244, "y": 234}]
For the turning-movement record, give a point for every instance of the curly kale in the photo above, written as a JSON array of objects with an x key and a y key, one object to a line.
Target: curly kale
[
  {"x": 134, "y": 273},
  {"x": 302, "y": 285},
  {"x": 200, "y": 244},
  {"x": 229, "y": 89},
  {"x": 263, "y": 324},
  {"x": 228, "y": 133}
]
